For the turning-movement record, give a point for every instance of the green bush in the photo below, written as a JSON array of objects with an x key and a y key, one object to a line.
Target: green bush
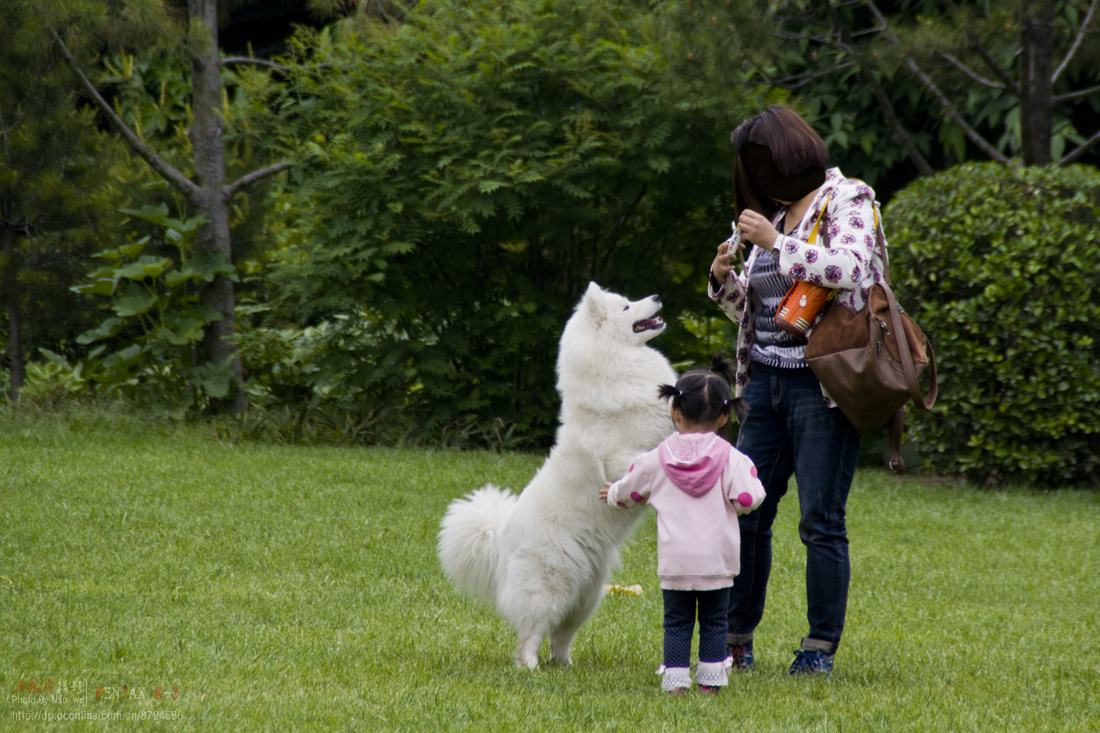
[
  {"x": 154, "y": 321},
  {"x": 460, "y": 179},
  {"x": 1000, "y": 267}
]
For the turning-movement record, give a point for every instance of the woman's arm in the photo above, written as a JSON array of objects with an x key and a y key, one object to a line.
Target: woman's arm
[
  {"x": 726, "y": 286},
  {"x": 850, "y": 219}
]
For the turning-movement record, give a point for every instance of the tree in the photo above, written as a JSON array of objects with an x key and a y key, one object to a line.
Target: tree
[
  {"x": 53, "y": 194},
  {"x": 1008, "y": 80},
  {"x": 209, "y": 192},
  {"x": 461, "y": 178}
]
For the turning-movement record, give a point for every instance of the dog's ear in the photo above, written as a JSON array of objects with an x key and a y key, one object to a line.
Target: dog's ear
[{"x": 594, "y": 303}]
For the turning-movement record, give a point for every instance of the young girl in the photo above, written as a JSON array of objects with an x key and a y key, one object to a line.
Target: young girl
[{"x": 698, "y": 483}]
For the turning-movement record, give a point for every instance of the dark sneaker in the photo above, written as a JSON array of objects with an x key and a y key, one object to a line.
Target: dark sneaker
[
  {"x": 812, "y": 663},
  {"x": 741, "y": 656}
]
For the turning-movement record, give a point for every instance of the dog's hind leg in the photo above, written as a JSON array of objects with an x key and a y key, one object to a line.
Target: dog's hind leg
[
  {"x": 527, "y": 652},
  {"x": 561, "y": 641},
  {"x": 561, "y": 636},
  {"x": 523, "y": 599}
]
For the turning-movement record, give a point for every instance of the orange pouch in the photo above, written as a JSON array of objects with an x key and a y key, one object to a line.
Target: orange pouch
[
  {"x": 803, "y": 301},
  {"x": 800, "y": 307}
]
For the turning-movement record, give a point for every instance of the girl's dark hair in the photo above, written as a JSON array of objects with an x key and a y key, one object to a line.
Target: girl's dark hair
[
  {"x": 702, "y": 394},
  {"x": 776, "y": 145}
]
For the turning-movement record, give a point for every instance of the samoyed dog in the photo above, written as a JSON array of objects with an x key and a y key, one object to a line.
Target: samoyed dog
[{"x": 543, "y": 557}]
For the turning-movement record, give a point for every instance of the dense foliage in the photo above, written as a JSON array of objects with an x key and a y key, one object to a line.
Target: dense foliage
[
  {"x": 463, "y": 168},
  {"x": 145, "y": 347},
  {"x": 59, "y": 191},
  {"x": 462, "y": 178},
  {"x": 911, "y": 86},
  {"x": 999, "y": 266}
]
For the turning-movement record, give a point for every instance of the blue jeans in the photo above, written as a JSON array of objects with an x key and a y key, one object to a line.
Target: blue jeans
[
  {"x": 680, "y": 614},
  {"x": 789, "y": 430}
]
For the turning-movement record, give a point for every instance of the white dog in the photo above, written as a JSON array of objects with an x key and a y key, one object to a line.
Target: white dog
[{"x": 544, "y": 556}]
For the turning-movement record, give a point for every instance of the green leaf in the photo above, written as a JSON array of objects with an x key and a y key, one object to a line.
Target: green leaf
[
  {"x": 102, "y": 286},
  {"x": 206, "y": 266},
  {"x": 135, "y": 303},
  {"x": 108, "y": 329},
  {"x": 146, "y": 267},
  {"x": 153, "y": 214},
  {"x": 214, "y": 380},
  {"x": 207, "y": 313},
  {"x": 133, "y": 250}
]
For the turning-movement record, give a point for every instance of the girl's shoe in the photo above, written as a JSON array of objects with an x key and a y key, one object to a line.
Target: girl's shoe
[{"x": 708, "y": 690}]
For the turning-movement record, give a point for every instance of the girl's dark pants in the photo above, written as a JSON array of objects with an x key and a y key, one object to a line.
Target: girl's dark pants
[{"x": 680, "y": 614}]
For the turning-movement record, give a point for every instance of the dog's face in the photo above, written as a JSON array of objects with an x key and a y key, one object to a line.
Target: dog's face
[{"x": 615, "y": 317}]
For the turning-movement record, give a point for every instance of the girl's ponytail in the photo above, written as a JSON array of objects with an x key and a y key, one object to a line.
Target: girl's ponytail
[
  {"x": 701, "y": 394},
  {"x": 667, "y": 392}
]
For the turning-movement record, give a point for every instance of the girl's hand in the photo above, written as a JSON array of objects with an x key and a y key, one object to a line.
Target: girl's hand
[
  {"x": 603, "y": 492},
  {"x": 757, "y": 229}
]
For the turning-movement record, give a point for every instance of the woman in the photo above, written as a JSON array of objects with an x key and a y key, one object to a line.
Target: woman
[{"x": 791, "y": 427}]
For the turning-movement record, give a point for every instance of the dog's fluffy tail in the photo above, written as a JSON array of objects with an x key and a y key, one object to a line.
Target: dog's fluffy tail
[{"x": 468, "y": 539}]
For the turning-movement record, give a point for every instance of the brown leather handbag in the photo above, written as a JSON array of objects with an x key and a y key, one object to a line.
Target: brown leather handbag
[{"x": 870, "y": 361}]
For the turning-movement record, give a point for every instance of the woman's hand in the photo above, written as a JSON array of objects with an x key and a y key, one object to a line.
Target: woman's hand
[
  {"x": 723, "y": 261},
  {"x": 757, "y": 229}
]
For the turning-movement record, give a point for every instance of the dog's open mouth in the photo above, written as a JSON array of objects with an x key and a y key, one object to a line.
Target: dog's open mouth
[{"x": 648, "y": 325}]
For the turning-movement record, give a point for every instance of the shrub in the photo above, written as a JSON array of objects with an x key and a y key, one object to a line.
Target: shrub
[
  {"x": 999, "y": 266},
  {"x": 144, "y": 346},
  {"x": 465, "y": 175}
]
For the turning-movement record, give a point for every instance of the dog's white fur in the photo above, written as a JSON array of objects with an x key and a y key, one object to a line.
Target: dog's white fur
[{"x": 543, "y": 557}]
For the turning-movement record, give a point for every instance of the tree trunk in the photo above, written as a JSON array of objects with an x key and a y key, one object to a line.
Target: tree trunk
[
  {"x": 209, "y": 157},
  {"x": 1036, "y": 89},
  {"x": 15, "y": 318}
]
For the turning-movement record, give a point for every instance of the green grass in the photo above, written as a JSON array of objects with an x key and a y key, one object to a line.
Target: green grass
[{"x": 286, "y": 588}]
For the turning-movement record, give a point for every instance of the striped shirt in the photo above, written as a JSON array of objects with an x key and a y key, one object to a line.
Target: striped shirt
[{"x": 773, "y": 347}]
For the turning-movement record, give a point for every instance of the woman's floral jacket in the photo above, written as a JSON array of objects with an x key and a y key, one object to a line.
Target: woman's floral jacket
[{"x": 850, "y": 263}]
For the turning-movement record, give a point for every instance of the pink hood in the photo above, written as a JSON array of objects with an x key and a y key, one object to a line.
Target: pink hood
[{"x": 694, "y": 461}]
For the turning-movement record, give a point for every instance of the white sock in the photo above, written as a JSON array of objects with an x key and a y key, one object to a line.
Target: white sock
[
  {"x": 676, "y": 678},
  {"x": 712, "y": 674}
]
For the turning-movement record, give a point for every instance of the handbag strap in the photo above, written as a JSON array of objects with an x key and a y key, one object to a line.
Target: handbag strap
[
  {"x": 895, "y": 427},
  {"x": 897, "y": 422},
  {"x": 880, "y": 239},
  {"x": 896, "y": 324},
  {"x": 817, "y": 224},
  {"x": 906, "y": 356}
]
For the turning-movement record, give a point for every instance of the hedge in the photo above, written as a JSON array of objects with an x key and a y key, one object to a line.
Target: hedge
[{"x": 1000, "y": 267}]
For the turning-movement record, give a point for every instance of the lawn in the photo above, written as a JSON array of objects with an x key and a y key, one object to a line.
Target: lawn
[{"x": 164, "y": 577}]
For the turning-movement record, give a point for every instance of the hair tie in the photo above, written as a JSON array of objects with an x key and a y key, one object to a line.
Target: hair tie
[{"x": 680, "y": 392}]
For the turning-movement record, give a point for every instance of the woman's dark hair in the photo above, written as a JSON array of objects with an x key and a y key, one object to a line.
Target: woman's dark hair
[
  {"x": 779, "y": 156},
  {"x": 702, "y": 395}
]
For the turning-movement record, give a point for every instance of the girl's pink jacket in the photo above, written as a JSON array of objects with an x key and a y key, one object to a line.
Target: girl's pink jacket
[{"x": 698, "y": 483}]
